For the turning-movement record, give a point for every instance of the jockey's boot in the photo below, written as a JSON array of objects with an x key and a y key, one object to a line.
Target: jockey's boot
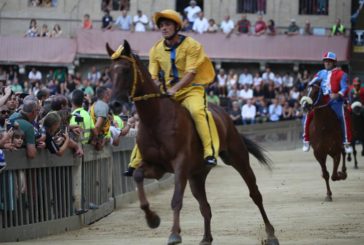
[
  {"x": 129, "y": 172},
  {"x": 210, "y": 161},
  {"x": 348, "y": 148},
  {"x": 306, "y": 146}
]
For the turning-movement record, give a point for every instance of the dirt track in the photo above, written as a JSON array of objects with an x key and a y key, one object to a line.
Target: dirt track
[{"x": 293, "y": 196}]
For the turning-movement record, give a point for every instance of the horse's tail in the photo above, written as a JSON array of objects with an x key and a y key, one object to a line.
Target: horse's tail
[{"x": 257, "y": 151}]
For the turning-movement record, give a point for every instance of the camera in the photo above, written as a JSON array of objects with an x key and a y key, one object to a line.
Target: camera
[
  {"x": 8, "y": 126},
  {"x": 124, "y": 118},
  {"x": 78, "y": 118}
]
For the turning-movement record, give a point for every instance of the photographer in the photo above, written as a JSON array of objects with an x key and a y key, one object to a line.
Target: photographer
[
  {"x": 6, "y": 93},
  {"x": 58, "y": 141},
  {"x": 81, "y": 118}
]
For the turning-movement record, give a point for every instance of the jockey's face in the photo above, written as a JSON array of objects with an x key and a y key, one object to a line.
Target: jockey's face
[
  {"x": 167, "y": 27},
  {"x": 329, "y": 64}
]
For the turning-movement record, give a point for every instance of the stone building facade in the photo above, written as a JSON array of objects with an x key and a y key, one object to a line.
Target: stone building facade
[{"x": 16, "y": 14}]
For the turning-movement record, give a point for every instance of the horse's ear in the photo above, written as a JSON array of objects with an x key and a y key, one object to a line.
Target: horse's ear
[
  {"x": 127, "y": 49},
  {"x": 109, "y": 50}
]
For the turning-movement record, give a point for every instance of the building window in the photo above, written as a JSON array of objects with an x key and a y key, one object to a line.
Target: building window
[
  {"x": 43, "y": 3},
  {"x": 252, "y": 6},
  {"x": 115, "y": 5},
  {"x": 314, "y": 7}
]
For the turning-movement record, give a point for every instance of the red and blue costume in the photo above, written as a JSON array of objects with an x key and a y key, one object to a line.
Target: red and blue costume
[{"x": 334, "y": 81}]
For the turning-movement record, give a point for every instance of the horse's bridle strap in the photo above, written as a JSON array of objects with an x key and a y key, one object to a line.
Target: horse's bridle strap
[{"x": 135, "y": 80}]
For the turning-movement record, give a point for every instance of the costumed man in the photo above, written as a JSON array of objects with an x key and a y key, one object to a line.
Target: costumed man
[
  {"x": 334, "y": 87},
  {"x": 187, "y": 70}
]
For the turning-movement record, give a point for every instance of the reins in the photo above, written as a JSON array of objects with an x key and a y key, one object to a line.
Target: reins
[{"x": 136, "y": 72}]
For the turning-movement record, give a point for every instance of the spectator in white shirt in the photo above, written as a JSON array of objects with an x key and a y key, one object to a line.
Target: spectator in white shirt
[
  {"x": 34, "y": 75},
  {"x": 192, "y": 13},
  {"x": 245, "y": 78},
  {"x": 248, "y": 113},
  {"x": 268, "y": 75},
  {"x": 222, "y": 82},
  {"x": 287, "y": 81},
  {"x": 275, "y": 111},
  {"x": 278, "y": 80},
  {"x": 227, "y": 25},
  {"x": 246, "y": 93},
  {"x": 201, "y": 24},
  {"x": 94, "y": 76},
  {"x": 257, "y": 80},
  {"x": 140, "y": 21}
]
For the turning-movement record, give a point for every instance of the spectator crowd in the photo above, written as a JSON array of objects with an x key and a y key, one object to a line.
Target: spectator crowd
[
  {"x": 194, "y": 20},
  {"x": 57, "y": 111}
]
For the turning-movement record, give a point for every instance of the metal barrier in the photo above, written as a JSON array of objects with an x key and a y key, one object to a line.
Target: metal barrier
[
  {"x": 51, "y": 194},
  {"x": 33, "y": 193},
  {"x": 41, "y": 197}
]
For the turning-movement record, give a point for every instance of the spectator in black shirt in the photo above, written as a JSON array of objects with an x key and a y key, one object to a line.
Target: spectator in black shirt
[{"x": 107, "y": 20}]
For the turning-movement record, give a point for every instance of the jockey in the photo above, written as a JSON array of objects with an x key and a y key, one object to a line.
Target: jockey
[
  {"x": 187, "y": 70},
  {"x": 356, "y": 92},
  {"x": 334, "y": 86}
]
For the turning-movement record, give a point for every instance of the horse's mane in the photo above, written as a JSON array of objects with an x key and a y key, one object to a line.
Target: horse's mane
[{"x": 145, "y": 73}]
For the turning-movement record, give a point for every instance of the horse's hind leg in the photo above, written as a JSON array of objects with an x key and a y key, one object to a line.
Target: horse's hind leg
[
  {"x": 336, "y": 175},
  {"x": 325, "y": 174},
  {"x": 152, "y": 218},
  {"x": 240, "y": 161},
  {"x": 197, "y": 184}
]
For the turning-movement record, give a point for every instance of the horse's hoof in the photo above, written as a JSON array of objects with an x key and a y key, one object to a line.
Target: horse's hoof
[
  {"x": 271, "y": 241},
  {"x": 362, "y": 153},
  {"x": 328, "y": 199},
  {"x": 206, "y": 242},
  {"x": 335, "y": 177},
  {"x": 349, "y": 158},
  {"x": 342, "y": 175},
  {"x": 153, "y": 221},
  {"x": 356, "y": 167},
  {"x": 174, "y": 239}
]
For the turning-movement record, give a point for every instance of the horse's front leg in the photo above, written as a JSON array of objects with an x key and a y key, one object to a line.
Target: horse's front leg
[
  {"x": 152, "y": 218},
  {"x": 180, "y": 182}
]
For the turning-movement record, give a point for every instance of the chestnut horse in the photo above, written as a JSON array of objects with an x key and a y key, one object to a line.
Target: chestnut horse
[
  {"x": 325, "y": 134},
  {"x": 168, "y": 142}
]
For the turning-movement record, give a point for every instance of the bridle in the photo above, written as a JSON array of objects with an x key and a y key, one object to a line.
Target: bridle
[
  {"x": 307, "y": 99},
  {"x": 117, "y": 55}
]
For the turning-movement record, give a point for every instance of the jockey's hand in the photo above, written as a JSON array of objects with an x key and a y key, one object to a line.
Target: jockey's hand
[
  {"x": 334, "y": 96},
  {"x": 171, "y": 91}
]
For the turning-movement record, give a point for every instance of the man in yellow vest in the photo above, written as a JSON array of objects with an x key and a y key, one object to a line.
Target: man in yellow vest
[
  {"x": 80, "y": 117},
  {"x": 338, "y": 29},
  {"x": 187, "y": 70}
]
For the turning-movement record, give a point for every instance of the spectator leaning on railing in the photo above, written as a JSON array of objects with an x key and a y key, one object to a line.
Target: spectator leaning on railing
[{"x": 24, "y": 119}]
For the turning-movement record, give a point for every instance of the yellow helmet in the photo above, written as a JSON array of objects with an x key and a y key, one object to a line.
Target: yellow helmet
[{"x": 170, "y": 15}]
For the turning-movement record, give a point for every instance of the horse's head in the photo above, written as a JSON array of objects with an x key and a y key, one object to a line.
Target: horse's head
[
  {"x": 313, "y": 95},
  {"x": 122, "y": 72}
]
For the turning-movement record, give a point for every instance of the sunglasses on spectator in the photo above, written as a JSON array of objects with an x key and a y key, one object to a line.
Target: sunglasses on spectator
[{"x": 5, "y": 112}]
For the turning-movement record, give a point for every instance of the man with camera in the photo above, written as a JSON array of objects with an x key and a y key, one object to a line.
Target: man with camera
[{"x": 81, "y": 118}]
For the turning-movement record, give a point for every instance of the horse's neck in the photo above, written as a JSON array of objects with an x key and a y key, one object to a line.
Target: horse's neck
[{"x": 154, "y": 110}]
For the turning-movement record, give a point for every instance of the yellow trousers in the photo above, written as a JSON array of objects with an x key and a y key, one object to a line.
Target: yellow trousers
[{"x": 193, "y": 98}]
